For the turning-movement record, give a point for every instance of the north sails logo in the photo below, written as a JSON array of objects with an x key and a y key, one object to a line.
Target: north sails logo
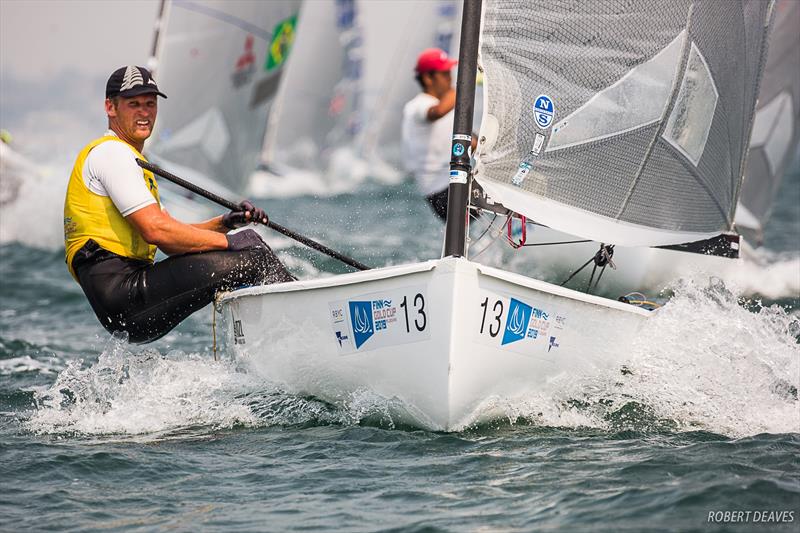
[{"x": 361, "y": 321}]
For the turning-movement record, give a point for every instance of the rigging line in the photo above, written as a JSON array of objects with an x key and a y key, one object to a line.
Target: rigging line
[
  {"x": 602, "y": 270},
  {"x": 561, "y": 242},
  {"x": 574, "y": 273},
  {"x": 489, "y": 245},
  {"x": 486, "y": 229},
  {"x": 591, "y": 277},
  {"x": 227, "y": 18}
]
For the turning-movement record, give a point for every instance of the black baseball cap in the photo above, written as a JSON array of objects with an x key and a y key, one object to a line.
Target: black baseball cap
[{"x": 131, "y": 81}]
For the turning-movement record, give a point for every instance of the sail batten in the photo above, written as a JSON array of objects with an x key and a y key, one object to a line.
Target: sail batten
[{"x": 631, "y": 116}]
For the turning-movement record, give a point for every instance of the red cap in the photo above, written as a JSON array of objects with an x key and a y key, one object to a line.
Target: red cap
[{"x": 434, "y": 59}]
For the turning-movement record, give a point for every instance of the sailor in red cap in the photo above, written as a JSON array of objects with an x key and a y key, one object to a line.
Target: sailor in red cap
[{"x": 428, "y": 127}]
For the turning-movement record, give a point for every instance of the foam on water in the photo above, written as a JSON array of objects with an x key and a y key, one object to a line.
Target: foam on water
[
  {"x": 139, "y": 393},
  {"x": 145, "y": 395},
  {"x": 770, "y": 274},
  {"x": 26, "y": 363}
]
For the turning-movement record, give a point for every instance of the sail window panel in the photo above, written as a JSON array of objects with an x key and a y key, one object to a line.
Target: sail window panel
[
  {"x": 690, "y": 120},
  {"x": 636, "y": 100}
]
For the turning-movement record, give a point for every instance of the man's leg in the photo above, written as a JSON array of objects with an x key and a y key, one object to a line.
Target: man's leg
[
  {"x": 147, "y": 301},
  {"x": 178, "y": 286},
  {"x": 438, "y": 202}
]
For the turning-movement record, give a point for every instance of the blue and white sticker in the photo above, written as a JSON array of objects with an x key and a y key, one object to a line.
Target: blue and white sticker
[
  {"x": 522, "y": 172},
  {"x": 458, "y": 149},
  {"x": 543, "y": 111},
  {"x": 370, "y": 321},
  {"x": 521, "y": 326},
  {"x": 458, "y": 176}
]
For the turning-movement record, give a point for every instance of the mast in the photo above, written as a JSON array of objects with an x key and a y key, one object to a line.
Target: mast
[
  {"x": 460, "y": 168},
  {"x": 152, "y": 61}
]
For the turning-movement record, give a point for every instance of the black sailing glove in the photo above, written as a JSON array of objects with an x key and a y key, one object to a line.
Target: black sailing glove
[
  {"x": 244, "y": 214},
  {"x": 244, "y": 240}
]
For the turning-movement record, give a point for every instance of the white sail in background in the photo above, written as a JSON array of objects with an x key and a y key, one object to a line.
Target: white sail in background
[
  {"x": 394, "y": 35},
  {"x": 316, "y": 109},
  {"x": 220, "y": 62},
  {"x": 776, "y": 129},
  {"x": 620, "y": 121}
]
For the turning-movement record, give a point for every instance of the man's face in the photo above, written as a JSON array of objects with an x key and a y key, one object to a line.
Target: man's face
[
  {"x": 133, "y": 118},
  {"x": 440, "y": 81}
]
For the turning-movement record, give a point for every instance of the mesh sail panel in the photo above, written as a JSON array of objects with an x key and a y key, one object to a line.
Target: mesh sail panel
[
  {"x": 623, "y": 121},
  {"x": 220, "y": 63}
]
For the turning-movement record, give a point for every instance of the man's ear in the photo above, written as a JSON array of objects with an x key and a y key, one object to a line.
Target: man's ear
[
  {"x": 111, "y": 110},
  {"x": 426, "y": 79}
]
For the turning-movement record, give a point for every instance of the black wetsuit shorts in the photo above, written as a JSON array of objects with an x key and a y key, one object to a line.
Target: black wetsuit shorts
[{"x": 147, "y": 300}]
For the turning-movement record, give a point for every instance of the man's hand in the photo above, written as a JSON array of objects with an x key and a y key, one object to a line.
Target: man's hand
[
  {"x": 244, "y": 240},
  {"x": 244, "y": 214}
]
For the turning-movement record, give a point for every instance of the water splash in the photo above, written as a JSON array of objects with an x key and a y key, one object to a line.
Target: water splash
[
  {"x": 127, "y": 393},
  {"x": 709, "y": 360},
  {"x": 148, "y": 396},
  {"x": 769, "y": 274}
]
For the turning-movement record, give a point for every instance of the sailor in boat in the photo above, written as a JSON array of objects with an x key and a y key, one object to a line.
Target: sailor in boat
[
  {"x": 114, "y": 221},
  {"x": 428, "y": 128}
]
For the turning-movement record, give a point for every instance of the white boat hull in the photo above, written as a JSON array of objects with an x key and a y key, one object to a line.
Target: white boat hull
[{"x": 443, "y": 339}]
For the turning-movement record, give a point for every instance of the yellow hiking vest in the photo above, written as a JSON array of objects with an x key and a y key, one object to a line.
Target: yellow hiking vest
[{"x": 87, "y": 215}]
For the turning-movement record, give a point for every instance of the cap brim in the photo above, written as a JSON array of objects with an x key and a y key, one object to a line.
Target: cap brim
[{"x": 140, "y": 90}]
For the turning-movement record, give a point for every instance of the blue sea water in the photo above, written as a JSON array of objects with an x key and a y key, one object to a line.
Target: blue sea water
[{"x": 99, "y": 434}]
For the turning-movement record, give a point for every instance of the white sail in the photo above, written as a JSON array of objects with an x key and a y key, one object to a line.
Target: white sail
[
  {"x": 317, "y": 107},
  {"x": 776, "y": 130},
  {"x": 623, "y": 122},
  {"x": 220, "y": 63}
]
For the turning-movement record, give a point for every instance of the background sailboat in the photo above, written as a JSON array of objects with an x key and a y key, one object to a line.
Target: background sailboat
[
  {"x": 337, "y": 124},
  {"x": 316, "y": 117},
  {"x": 776, "y": 131},
  {"x": 222, "y": 62}
]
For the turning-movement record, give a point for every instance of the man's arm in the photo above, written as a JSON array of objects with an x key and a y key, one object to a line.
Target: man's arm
[
  {"x": 173, "y": 236},
  {"x": 212, "y": 224},
  {"x": 445, "y": 105}
]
